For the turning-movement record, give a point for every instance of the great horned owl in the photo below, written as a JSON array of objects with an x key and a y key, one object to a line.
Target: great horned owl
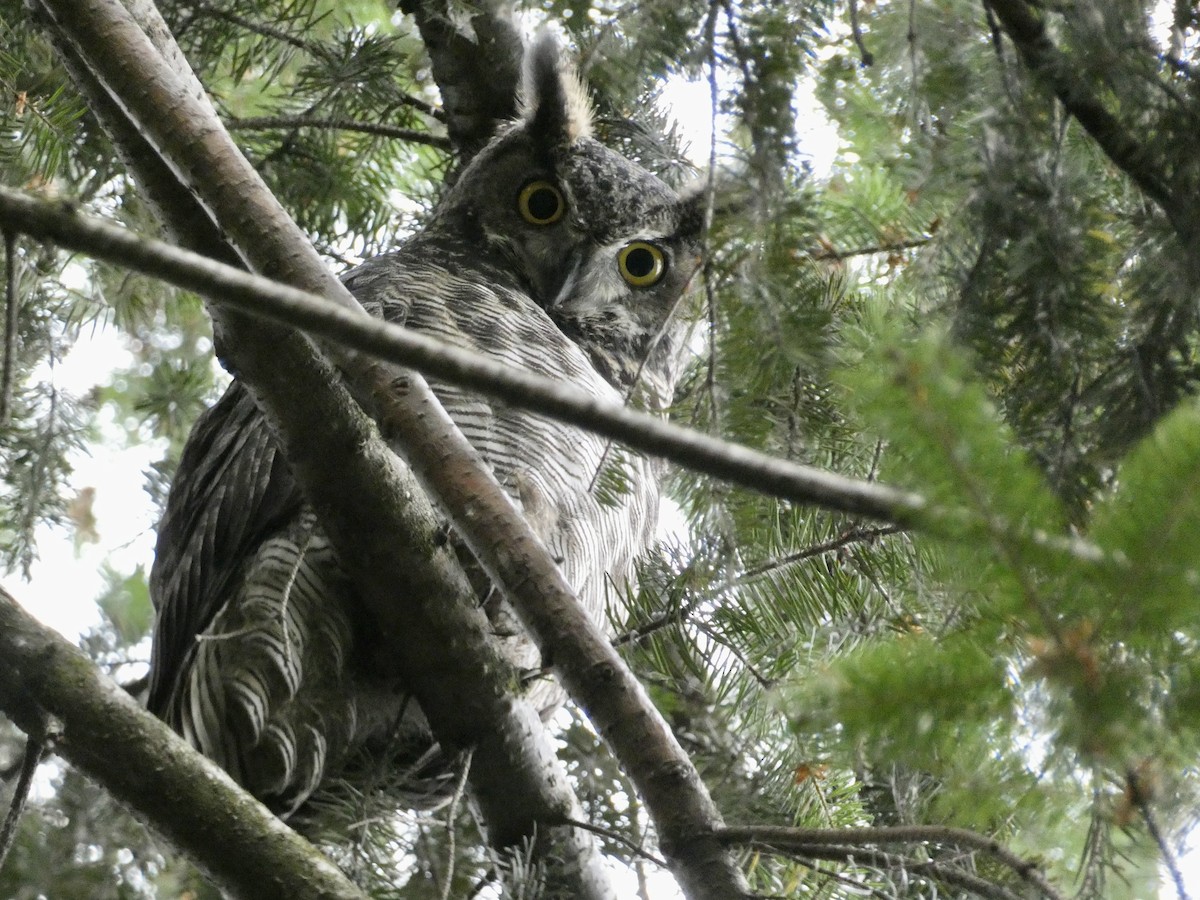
[{"x": 550, "y": 253}]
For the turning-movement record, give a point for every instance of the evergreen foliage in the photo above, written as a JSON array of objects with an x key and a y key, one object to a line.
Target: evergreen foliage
[{"x": 980, "y": 301}]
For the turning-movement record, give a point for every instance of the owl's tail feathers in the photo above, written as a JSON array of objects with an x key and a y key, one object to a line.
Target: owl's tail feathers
[
  {"x": 321, "y": 738},
  {"x": 273, "y": 693}
]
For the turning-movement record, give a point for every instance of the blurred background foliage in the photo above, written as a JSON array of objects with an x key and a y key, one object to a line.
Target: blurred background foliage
[{"x": 921, "y": 270}]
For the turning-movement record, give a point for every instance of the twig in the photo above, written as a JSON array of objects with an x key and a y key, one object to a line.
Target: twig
[
  {"x": 827, "y": 253},
  {"x": 763, "y": 681},
  {"x": 961, "y": 878},
  {"x": 858, "y": 886},
  {"x": 1140, "y": 796},
  {"x": 262, "y": 123},
  {"x": 639, "y": 864},
  {"x": 262, "y": 29},
  {"x": 35, "y": 747},
  {"x": 853, "y": 536},
  {"x": 881, "y": 860},
  {"x": 618, "y": 839},
  {"x": 808, "y": 839},
  {"x": 451, "y": 831},
  {"x": 739, "y": 48},
  {"x": 868, "y": 58},
  {"x": 364, "y": 819},
  {"x": 488, "y": 877},
  {"x": 911, "y": 40},
  {"x": 678, "y": 616},
  {"x": 11, "y": 309},
  {"x": 710, "y": 300},
  {"x": 1091, "y": 855},
  {"x": 873, "y": 472}
]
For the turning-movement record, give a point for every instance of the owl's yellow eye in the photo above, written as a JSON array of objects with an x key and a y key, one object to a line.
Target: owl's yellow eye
[
  {"x": 541, "y": 203},
  {"x": 641, "y": 264}
]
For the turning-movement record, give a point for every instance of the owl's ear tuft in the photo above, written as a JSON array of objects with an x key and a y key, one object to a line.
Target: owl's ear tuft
[{"x": 554, "y": 102}]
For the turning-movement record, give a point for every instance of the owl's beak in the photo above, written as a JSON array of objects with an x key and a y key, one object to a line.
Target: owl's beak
[{"x": 570, "y": 277}]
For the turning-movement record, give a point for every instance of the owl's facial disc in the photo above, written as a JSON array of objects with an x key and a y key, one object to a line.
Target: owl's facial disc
[{"x": 540, "y": 235}]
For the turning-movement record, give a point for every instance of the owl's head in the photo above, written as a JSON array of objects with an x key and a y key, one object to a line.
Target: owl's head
[{"x": 600, "y": 243}]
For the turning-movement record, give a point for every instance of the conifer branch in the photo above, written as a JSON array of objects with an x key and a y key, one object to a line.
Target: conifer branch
[
  {"x": 617, "y": 838},
  {"x": 412, "y": 135},
  {"x": 1026, "y": 28},
  {"x": 829, "y": 252},
  {"x": 806, "y": 840},
  {"x": 31, "y": 758},
  {"x": 312, "y": 48}
]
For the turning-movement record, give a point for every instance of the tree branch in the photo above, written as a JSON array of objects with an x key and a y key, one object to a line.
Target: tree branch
[
  {"x": 236, "y": 840},
  {"x": 478, "y": 74},
  {"x": 413, "y": 135},
  {"x": 721, "y": 459},
  {"x": 63, "y": 224},
  {"x": 11, "y": 311},
  {"x": 867, "y": 57},
  {"x": 808, "y": 839},
  {"x": 1139, "y": 794},
  {"x": 1026, "y": 28}
]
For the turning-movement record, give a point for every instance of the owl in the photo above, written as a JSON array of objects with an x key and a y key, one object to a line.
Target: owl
[{"x": 549, "y": 253}]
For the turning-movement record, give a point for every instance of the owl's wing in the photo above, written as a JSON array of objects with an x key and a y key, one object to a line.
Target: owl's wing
[
  {"x": 233, "y": 490},
  {"x": 385, "y": 285}
]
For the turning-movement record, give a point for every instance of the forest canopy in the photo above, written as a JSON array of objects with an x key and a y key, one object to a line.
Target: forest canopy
[{"x": 938, "y": 634}]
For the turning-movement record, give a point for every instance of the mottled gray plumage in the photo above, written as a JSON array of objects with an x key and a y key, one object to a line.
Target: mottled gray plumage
[{"x": 549, "y": 253}]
